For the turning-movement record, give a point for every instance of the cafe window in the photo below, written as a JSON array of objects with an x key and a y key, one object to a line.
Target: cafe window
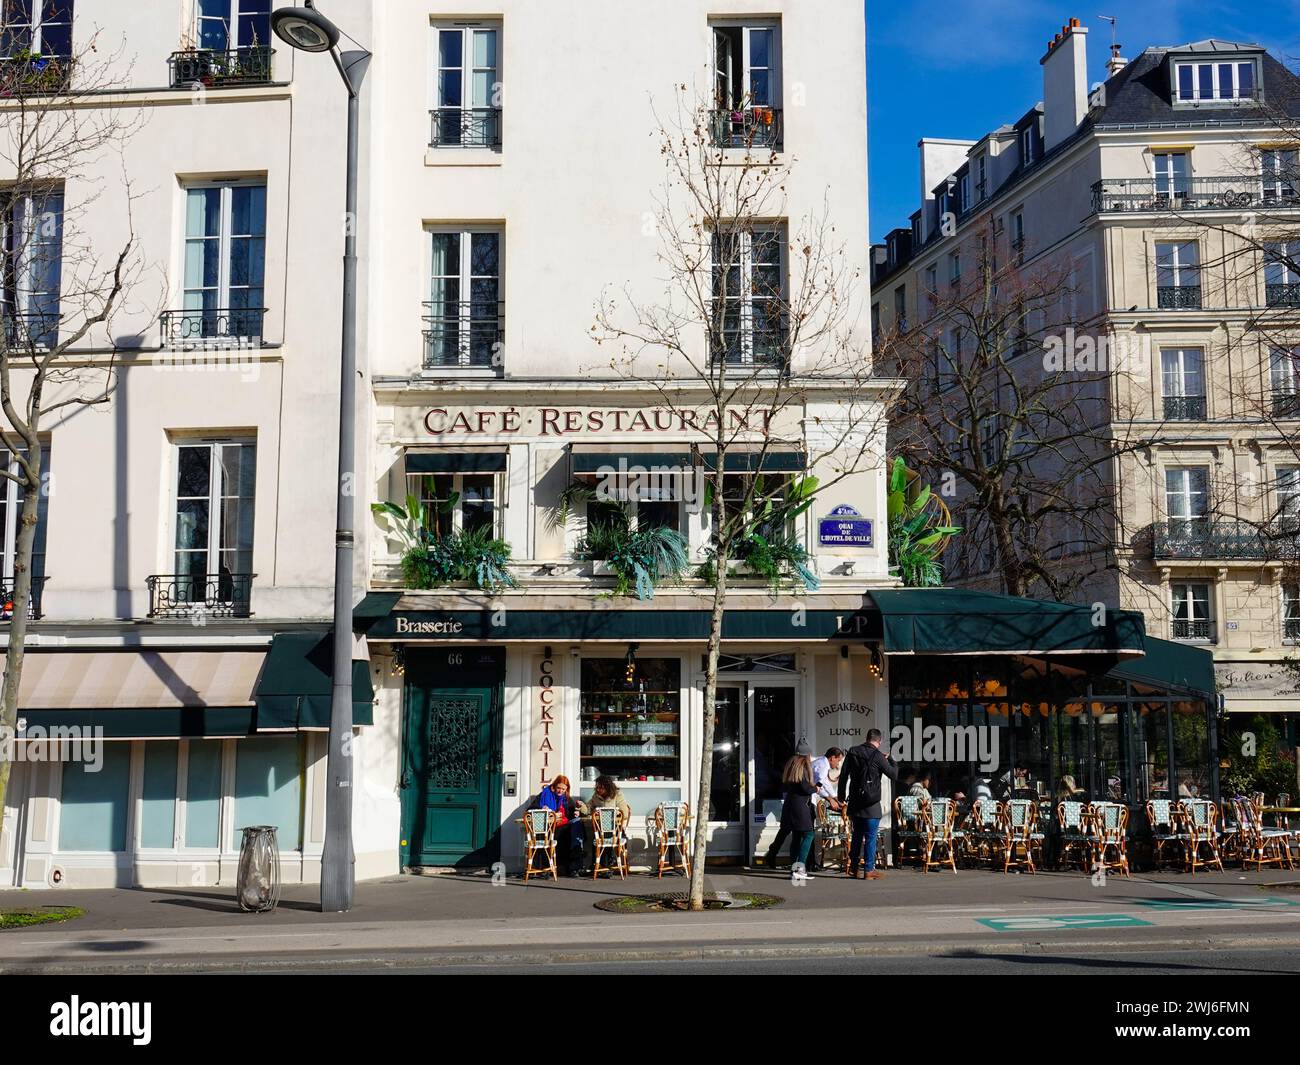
[
  {"x": 457, "y": 502},
  {"x": 631, "y": 725}
]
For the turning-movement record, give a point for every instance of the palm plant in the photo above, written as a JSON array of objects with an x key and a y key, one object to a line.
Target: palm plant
[
  {"x": 432, "y": 560},
  {"x": 919, "y": 529}
]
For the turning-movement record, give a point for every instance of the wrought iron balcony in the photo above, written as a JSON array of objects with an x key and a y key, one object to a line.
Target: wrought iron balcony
[
  {"x": 1214, "y": 540},
  {"x": 1175, "y": 196},
  {"x": 464, "y": 334},
  {"x": 1291, "y": 629},
  {"x": 39, "y": 331},
  {"x": 1185, "y": 408},
  {"x": 1285, "y": 295},
  {"x": 1286, "y": 404},
  {"x": 25, "y": 74},
  {"x": 465, "y": 127},
  {"x": 1178, "y": 297},
  {"x": 213, "y": 69},
  {"x": 749, "y": 127},
  {"x": 34, "y": 611},
  {"x": 1193, "y": 630},
  {"x": 224, "y": 327},
  {"x": 208, "y": 595}
]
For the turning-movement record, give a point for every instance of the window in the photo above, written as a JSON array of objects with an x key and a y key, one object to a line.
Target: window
[
  {"x": 748, "y": 293},
  {"x": 1192, "y": 619},
  {"x": 1291, "y": 613},
  {"x": 94, "y": 802},
  {"x": 631, "y": 726},
  {"x": 40, "y": 27},
  {"x": 1288, "y": 498},
  {"x": 32, "y": 267},
  {"x": 227, "y": 25},
  {"x": 982, "y": 178},
  {"x": 747, "y": 91},
  {"x": 1028, "y": 145},
  {"x": 1172, "y": 174},
  {"x": 1178, "y": 275},
  {"x": 767, "y": 487},
  {"x": 459, "y": 502},
  {"x": 949, "y": 357},
  {"x": 225, "y": 254},
  {"x": 900, "y": 308},
  {"x": 467, "y": 87},
  {"x": 465, "y": 315},
  {"x": 1205, "y": 82},
  {"x": 1278, "y": 171},
  {"x": 1284, "y": 374},
  {"x": 1018, "y": 237},
  {"x": 268, "y": 787},
  {"x": 1186, "y": 499},
  {"x": 213, "y": 554},
  {"x": 916, "y": 232},
  {"x": 967, "y": 197},
  {"x": 1182, "y": 373},
  {"x": 1282, "y": 274},
  {"x": 954, "y": 269},
  {"x": 875, "y": 323},
  {"x": 932, "y": 285},
  {"x": 990, "y": 438},
  {"x": 11, "y": 508}
]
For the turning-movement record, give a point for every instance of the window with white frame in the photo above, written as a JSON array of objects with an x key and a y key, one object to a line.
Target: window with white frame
[
  {"x": 1282, "y": 274},
  {"x": 36, "y": 27},
  {"x": 1192, "y": 612},
  {"x": 1284, "y": 378},
  {"x": 1178, "y": 275},
  {"x": 1182, "y": 374},
  {"x": 900, "y": 308},
  {"x": 11, "y": 508},
  {"x": 1018, "y": 237},
  {"x": 747, "y": 84},
  {"x": 1186, "y": 498},
  {"x": 32, "y": 225},
  {"x": 225, "y": 261},
  {"x": 1287, "y": 486},
  {"x": 1278, "y": 172},
  {"x": 457, "y": 502},
  {"x": 1205, "y": 82},
  {"x": 967, "y": 195},
  {"x": 214, "y": 492},
  {"x": 954, "y": 269},
  {"x": 464, "y": 318},
  {"x": 749, "y": 272},
  {"x": 467, "y": 85},
  {"x": 1291, "y": 613},
  {"x": 982, "y": 178},
  {"x": 1173, "y": 173},
  {"x": 1028, "y": 145},
  {"x": 230, "y": 25}
]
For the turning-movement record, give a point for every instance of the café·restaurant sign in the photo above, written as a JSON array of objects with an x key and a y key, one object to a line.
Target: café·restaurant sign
[{"x": 462, "y": 422}]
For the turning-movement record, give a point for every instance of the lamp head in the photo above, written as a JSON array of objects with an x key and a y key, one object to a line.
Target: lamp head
[{"x": 304, "y": 28}]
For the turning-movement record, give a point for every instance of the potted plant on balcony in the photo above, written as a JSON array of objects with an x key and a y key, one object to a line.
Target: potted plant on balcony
[
  {"x": 28, "y": 73},
  {"x": 433, "y": 560},
  {"x": 919, "y": 529},
  {"x": 769, "y": 547}
]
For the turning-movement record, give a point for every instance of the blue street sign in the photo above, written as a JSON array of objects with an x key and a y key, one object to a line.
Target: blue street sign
[{"x": 845, "y": 527}]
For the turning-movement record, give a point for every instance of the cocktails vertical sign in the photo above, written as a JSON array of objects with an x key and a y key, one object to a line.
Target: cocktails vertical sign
[{"x": 544, "y": 730}]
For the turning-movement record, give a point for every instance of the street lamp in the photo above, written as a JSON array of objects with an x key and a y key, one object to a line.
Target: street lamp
[{"x": 307, "y": 30}]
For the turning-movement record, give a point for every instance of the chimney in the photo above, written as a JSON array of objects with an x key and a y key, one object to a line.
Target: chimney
[
  {"x": 1065, "y": 83},
  {"x": 1116, "y": 62}
]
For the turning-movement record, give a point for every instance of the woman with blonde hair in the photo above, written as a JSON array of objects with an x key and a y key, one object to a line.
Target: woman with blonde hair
[{"x": 796, "y": 811}]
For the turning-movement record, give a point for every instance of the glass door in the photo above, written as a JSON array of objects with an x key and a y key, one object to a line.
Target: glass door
[{"x": 771, "y": 743}]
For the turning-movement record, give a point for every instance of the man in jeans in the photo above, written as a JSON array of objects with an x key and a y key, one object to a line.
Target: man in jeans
[{"x": 860, "y": 789}]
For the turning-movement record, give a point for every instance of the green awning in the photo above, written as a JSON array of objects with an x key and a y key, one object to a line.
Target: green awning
[
  {"x": 598, "y": 459},
  {"x": 148, "y": 723},
  {"x": 1172, "y": 667},
  {"x": 952, "y": 621},
  {"x": 294, "y": 689},
  {"x": 423, "y": 462},
  {"x": 774, "y": 460}
]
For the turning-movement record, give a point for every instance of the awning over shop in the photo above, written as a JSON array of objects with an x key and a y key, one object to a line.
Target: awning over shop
[
  {"x": 134, "y": 694},
  {"x": 950, "y": 621},
  {"x": 294, "y": 690},
  {"x": 776, "y": 459},
  {"x": 590, "y": 459},
  {"x": 456, "y": 460},
  {"x": 1170, "y": 667}
]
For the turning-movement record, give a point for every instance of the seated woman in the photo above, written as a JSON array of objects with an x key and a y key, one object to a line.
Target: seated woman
[
  {"x": 570, "y": 836},
  {"x": 607, "y": 793},
  {"x": 1068, "y": 791}
]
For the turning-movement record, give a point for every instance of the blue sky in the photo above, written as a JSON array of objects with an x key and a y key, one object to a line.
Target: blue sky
[{"x": 960, "y": 70}]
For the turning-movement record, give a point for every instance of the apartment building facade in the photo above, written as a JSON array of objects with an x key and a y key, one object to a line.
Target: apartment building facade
[{"x": 1164, "y": 192}]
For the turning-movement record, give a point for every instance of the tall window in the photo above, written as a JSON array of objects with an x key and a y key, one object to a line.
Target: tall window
[
  {"x": 1172, "y": 174},
  {"x": 1284, "y": 376},
  {"x": 227, "y": 25},
  {"x": 1278, "y": 171},
  {"x": 1178, "y": 275},
  {"x": 900, "y": 308},
  {"x": 33, "y": 267},
  {"x": 467, "y": 86},
  {"x": 465, "y": 312},
  {"x": 1288, "y": 497},
  {"x": 746, "y": 80},
  {"x": 748, "y": 293},
  {"x": 1182, "y": 372},
  {"x": 1203, "y": 82},
  {"x": 215, "y": 487},
  {"x": 225, "y": 254},
  {"x": 11, "y": 508},
  {"x": 1028, "y": 145},
  {"x": 1186, "y": 498},
  {"x": 39, "y": 27},
  {"x": 982, "y": 178},
  {"x": 1192, "y": 619},
  {"x": 1282, "y": 274},
  {"x": 460, "y": 502},
  {"x": 1018, "y": 237},
  {"x": 1291, "y": 613}
]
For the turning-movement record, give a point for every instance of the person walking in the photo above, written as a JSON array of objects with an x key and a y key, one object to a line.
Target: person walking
[
  {"x": 796, "y": 811},
  {"x": 860, "y": 789},
  {"x": 803, "y": 750}
]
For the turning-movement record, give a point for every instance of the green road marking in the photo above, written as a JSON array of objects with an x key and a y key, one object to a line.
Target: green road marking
[
  {"x": 1215, "y": 904},
  {"x": 1047, "y": 924}
]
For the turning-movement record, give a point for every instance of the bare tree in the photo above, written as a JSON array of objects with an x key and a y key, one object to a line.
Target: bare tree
[
  {"x": 756, "y": 341},
  {"x": 58, "y": 131}
]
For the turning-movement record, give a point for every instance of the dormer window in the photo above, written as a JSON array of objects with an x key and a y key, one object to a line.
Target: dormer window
[
  {"x": 1028, "y": 146},
  {"x": 1207, "y": 82}
]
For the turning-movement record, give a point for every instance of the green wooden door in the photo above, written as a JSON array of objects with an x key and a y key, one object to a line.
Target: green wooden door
[{"x": 451, "y": 758}]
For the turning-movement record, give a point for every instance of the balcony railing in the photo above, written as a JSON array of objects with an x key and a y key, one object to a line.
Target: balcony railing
[
  {"x": 1193, "y": 630},
  {"x": 1185, "y": 408},
  {"x": 24, "y": 74},
  {"x": 213, "y": 595},
  {"x": 1182, "y": 194},
  {"x": 34, "y": 611},
  {"x": 23, "y": 332},
  {"x": 224, "y": 327},
  {"x": 464, "y": 334},
  {"x": 465, "y": 127},
  {"x": 1282, "y": 295},
  {"x": 750, "y": 127},
  {"x": 1291, "y": 629},
  {"x": 1178, "y": 297},
  {"x": 1215, "y": 540},
  {"x": 1286, "y": 403},
  {"x": 212, "y": 69}
]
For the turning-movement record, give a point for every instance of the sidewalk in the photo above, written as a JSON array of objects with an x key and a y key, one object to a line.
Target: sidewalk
[{"x": 452, "y": 918}]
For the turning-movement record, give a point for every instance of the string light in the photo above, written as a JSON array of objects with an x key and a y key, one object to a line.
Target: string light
[
  {"x": 399, "y": 660},
  {"x": 876, "y": 666}
]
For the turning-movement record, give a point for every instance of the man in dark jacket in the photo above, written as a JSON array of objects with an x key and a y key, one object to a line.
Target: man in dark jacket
[{"x": 860, "y": 789}]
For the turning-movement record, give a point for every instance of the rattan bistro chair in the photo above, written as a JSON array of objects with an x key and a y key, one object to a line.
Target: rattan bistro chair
[
  {"x": 1201, "y": 818},
  {"x": 834, "y": 831},
  {"x": 907, "y": 826},
  {"x": 1017, "y": 826},
  {"x": 1166, "y": 828},
  {"x": 937, "y": 816},
  {"x": 1076, "y": 833},
  {"x": 539, "y": 836},
  {"x": 609, "y": 833},
  {"x": 672, "y": 829},
  {"x": 1110, "y": 836},
  {"x": 984, "y": 836},
  {"x": 1261, "y": 846}
]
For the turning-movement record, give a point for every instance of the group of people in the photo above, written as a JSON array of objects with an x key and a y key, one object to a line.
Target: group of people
[{"x": 574, "y": 852}]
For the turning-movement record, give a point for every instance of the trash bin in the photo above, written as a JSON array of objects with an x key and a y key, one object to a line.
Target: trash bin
[{"x": 258, "y": 885}]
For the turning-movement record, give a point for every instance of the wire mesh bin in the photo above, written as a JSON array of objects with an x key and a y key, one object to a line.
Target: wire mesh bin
[{"x": 258, "y": 885}]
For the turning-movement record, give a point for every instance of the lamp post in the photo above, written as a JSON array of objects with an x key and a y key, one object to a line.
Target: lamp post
[{"x": 306, "y": 29}]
